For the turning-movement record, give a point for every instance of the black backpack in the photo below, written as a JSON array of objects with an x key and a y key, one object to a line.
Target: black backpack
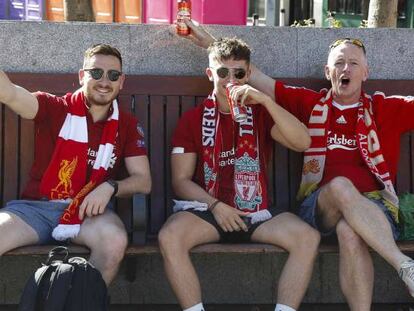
[{"x": 65, "y": 285}]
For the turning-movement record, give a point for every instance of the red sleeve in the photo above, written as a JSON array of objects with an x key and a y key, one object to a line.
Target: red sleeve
[
  {"x": 135, "y": 142},
  {"x": 401, "y": 108},
  {"x": 299, "y": 101},
  {"x": 187, "y": 134},
  {"x": 50, "y": 107}
]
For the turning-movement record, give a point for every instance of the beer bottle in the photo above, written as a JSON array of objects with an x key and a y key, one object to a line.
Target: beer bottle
[{"x": 183, "y": 12}]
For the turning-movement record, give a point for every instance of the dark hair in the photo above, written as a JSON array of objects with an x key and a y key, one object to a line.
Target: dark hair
[
  {"x": 227, "y": 48},
  {"x": 103, "y": 49}
]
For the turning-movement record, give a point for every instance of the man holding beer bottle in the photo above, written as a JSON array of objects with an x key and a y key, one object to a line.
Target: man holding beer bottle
[{"x": 219, "y": 160}]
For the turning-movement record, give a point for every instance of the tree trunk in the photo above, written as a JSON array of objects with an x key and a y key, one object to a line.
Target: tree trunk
[
  {"x": 78, "y": 10},
  {"x": 382, "y": 13}
]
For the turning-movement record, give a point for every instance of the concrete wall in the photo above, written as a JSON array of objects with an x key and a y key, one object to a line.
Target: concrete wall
[
  {"x": 226, "y": 278},
  {"x": 154, "y": 50}
]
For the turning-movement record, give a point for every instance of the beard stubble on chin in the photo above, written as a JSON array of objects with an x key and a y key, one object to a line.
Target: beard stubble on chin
[{"x": 97, "y": 100}]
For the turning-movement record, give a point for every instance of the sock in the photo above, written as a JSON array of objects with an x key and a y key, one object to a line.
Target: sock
[
  {"x": 280, "y": 307},
  {"x": 197, "y": 307}
]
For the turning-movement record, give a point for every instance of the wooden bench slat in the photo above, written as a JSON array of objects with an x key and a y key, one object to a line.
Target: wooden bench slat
[
  {"x": 2, "y": 116},
  {"x": 26, "y": 142},
  {"x": 171, "y": 119},
  {"x": 157, "y": 160},
  {"x": 11, "y": 156},
  {"x": 187, "y": 102},
  {"x": 411, "y": 170},
  {"x": 294, "y": 177},
  {"x": 280, "y": 176},
  {"x": 403, "y": 183}
]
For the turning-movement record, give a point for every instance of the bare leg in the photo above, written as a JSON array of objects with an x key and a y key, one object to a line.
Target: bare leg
[
  {"x": 363, "y": 216},
  {"x": 179, "y": 234},
  {"x": 356, "y": 270},
  {"x": 106, "y": 237},
  {"x": 301, "y": 241},
  {"x": 14, "y": 232}
]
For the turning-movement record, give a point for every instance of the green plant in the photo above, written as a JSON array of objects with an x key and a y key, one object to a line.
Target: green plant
[
  {"x": 332, "y": 21},
  {"x": 310, "y": 22}
]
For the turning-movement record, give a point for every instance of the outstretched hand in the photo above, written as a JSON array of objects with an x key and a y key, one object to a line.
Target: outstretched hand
[{"x": 199, "y": 36}]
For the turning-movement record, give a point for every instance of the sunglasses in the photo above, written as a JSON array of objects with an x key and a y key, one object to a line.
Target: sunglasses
[
  {"x": 356, "y": 42},
  {"x": 97, "y": 73},
  {"x": 223, "y": 72}
]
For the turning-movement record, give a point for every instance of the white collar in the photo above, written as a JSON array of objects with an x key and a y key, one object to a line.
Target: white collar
[{"x": 344, "y": 107}]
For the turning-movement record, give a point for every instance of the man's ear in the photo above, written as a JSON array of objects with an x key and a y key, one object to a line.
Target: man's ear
[
  {"x": 248, "y": 73},
  {"x": 81, "y": 75},
  {"x": 209, "y": 74},
  {"x": 121, "y": 81},
  {"x": 366, "y": 74},
  {"x": 327, "y": 74}
]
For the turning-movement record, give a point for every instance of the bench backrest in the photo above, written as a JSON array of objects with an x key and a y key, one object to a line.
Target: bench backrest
[{"x": 159, "y": 101}]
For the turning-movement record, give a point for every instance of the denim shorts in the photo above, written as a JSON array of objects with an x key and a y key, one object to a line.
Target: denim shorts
[
  {"x": 42, "y": 216},
  {"x": 307, "y": 211},
  {"x": 235, "y": 236}
]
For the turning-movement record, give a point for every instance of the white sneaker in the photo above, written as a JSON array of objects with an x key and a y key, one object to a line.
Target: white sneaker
[{"x": 407, "y": 275}]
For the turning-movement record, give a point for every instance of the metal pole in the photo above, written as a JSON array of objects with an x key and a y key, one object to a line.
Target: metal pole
[
  {"x": 113, "y": 11},
  {"x": 271, "y": 12}
]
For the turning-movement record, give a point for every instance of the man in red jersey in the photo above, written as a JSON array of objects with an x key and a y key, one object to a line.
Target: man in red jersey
[
  {"x": 219, "y": 165},
  {"x": 349, "y": 169},
  {"x": 81, "y": 140}
]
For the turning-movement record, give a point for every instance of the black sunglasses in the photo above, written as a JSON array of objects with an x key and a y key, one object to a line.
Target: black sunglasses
[
  {"x": 223, "y": 72},
  {"x": 353, "y": 41},
  {"x": 97, "y": 73}
]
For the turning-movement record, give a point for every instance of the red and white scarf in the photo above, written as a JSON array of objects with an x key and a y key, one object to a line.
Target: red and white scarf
[
  {"x": 250, "y": 188},
  {"x": 368, "y": 144},
  {"x": 65, "y": 177}
]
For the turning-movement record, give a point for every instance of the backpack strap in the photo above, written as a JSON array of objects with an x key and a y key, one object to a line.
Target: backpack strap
[
  {"x": 29, "y": 296},
  {"x": 60, "y": 285}
]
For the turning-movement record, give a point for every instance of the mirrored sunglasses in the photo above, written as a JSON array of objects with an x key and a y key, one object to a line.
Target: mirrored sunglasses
[
  {"x": 223, "y": 72},
  {"x": 356, "y": 42},
  {"x": 97, "y": 73}
]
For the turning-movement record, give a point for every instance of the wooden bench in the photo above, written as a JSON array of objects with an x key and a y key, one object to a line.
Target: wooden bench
[{"x": 159, "y": 101}]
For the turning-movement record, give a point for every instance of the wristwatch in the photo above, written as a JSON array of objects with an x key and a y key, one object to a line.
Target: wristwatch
[{"x": 114, "y": 184}]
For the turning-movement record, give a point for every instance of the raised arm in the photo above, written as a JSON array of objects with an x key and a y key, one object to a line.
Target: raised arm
[
  {"x": 287, "y": 130},
  {"x": 17, "y": 98}
]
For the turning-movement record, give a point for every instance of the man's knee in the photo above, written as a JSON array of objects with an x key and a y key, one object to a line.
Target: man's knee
[
  {"x": 342, "y": 190},
  {"x": 111, "y": 246},
  {"x": 306, "y": 239},
  {"x": 348, "y": 238},
  {"x": 170, "y": 239}
]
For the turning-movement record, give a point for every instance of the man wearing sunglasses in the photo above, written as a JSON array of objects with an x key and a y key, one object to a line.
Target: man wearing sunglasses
[
  {"x": 349, "y": 170},
  {"x": 82, "y": 140},
  {"x": 219, "y": 165}
]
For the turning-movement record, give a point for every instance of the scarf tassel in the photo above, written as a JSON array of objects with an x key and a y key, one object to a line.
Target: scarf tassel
[{"x": 64, "y": 232}]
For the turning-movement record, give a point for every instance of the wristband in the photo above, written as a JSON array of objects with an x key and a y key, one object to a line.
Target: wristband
[
  {"x": 213, "y": 205},
  {"x": 114, "y": 184}
]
